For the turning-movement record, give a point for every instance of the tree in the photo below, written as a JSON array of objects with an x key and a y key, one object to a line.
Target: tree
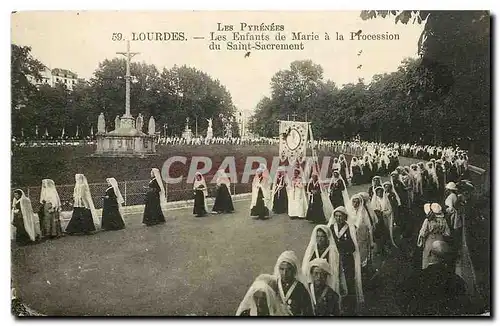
[
  {"x": 454, "y": 70},
  {"x": 24, "y": 69}
]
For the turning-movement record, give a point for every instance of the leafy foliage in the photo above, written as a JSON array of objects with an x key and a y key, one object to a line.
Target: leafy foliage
[
  {"x": 441, "y": 97},
  {"x": 171, "y": 96}
]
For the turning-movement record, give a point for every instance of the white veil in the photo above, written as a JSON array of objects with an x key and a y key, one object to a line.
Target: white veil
[
  {"x": 357, "y": 259},
  {"x": 345, "y": 194},
  {"x": 118, "y": 194},
  {"x": 290, "y": 257},
  {"x": 333, "y": 257},
  {"x": 264, "y": 185},
  {"x": 49, "y": 194},
  {"x": 27, "y": 213},
  {"x": 274, "y": 187},
  {"x": 222, "y": 178},
  {"x": 83, "y": 198},
  {"x": 274, "y": 304},
  {"x": 163, "y": 194}
]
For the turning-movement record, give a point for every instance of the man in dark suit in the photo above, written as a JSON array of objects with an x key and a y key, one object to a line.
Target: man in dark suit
[{"x": 436, "y": 290}]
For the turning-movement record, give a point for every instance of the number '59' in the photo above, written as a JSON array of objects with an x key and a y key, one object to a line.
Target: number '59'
[{"x": 116, "y": 37}]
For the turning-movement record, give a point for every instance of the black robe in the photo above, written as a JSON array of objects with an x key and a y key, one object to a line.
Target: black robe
[
  {"x": 260, "y": 208},
  {"x": 223, "y": 201},
  {"x": 111, "y": 216},
  {"x": 153, "y": 213},
  {"x": 81, "y": 221},
  {"x": 343, "y": 169},
  {"x": 327, "y": 302},
  {"x": 346, "y": 248},
  {"x": 299, "y": 302},
  {"x": 357, "y": 178},
  {"x": 336, "y": 194},
  {"x": 315, "y": 212},
  {"x": 199, "y": 203},
  {"x": 22, "y": 237},
  {"x": 280, "y": 204}
]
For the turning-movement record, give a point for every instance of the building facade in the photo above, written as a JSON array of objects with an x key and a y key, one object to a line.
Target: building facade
[{"x": 55, "y": 76}]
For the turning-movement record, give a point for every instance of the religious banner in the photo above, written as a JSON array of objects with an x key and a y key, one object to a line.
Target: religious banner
[{"x": 293, "y": 140}]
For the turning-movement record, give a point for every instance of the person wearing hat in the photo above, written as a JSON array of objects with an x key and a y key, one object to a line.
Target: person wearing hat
[
  {"x": 434, "y": 228},
  {"x": 376, "y": 182},
  {"x": 451, "y": 193}
]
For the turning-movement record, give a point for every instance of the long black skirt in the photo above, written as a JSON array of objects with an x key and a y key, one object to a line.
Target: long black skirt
[
  {"x": 111, "y": 216},
  {"x": 81, "y": 221},
  {"x": 223, "y": 202},
  {"x": 22, "y": 237},
  {"x": 336, "y": 198},
  {"x": 280, "y": 205},
  {"x": 199, "y": 203},
  {"x": 260, "y": 208},
  {"x": 152, "y": 210},
  {"x": 315, "y": 211}
]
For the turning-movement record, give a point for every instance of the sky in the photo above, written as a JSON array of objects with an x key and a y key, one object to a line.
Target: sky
[{"x": 78, "y": 41}]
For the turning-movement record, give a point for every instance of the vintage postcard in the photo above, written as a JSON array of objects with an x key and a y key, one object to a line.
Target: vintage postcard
[{"x": 250, "y": 163}]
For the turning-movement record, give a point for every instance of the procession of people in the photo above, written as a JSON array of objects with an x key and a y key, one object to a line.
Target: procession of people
[{"x": 427, "y": 203}]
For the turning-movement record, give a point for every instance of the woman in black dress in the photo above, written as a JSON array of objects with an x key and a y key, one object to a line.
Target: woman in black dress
[
  {"x": 261, "y": 195},
  {"x": 200, "y": 208},
  {"x": 337, "y": 191},
  {"x": 344, "y": 235},
  {"x": 84, "y": 218},
  {"x": 223, "y": 201},
  {"x": 315, "y": 211},
  {"x": 112, "y": 218},
  {"x": 155, "y": 196},
  {"x": 23, "y": 218},
  {"x": 280, "y": 196},
  {"x": 356, "y": 172}
]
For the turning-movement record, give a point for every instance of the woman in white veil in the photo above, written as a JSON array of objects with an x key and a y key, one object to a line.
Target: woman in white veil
[
  {"x": 364, "y": 228},
  {"x": 326, "y": 301},
  {"x": 337, "y": 190},
  {"x": 23, "y": 218},
  {"x": 261, "y": 300},
  {"x": 155, "y": 198},
  {"x": 355, "y": 171},
  {"x": 292, "y": 285},
  {"x": 322, "y": 245},
  {"x": 112, "y": 214},
  {"x": 49, "y": 213},
  {"x": 84, "y": 218},
  {"x": 279, "y": 196},
  {"x": 260, "y": 205},
  {"x": 382, "y": 207},
  {"x": 200, "y": 189},
  {"x": 223, "y": 202},
  {"x": 344, "y": 234}
]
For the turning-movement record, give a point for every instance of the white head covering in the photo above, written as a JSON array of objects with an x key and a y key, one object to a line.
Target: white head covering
[
  {"x": 27, "y": 213},
  {"x": 345, "y": 194},
  {"x": 331, "y": 251},
  {"x": 201, "y": 182},
  {"x": 290, "y": 257},
  {"x": 83, "y": 198},
  {"x": 393, "y": 191},
  {"x": 222, "y": 178},
  {"x": 357, "y": 259},
  {"x": 274, "y": 304},
  {"x": 118, "y": 194},
  {"x": 163, "y": 194},
  {"x": 49, "y": 194},
  {"x": 451, "y": 186}
]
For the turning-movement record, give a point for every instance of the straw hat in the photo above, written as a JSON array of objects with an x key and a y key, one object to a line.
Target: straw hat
[
  {"x": 451, "y": 186},
  {"x": 437, "y": 209}
]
